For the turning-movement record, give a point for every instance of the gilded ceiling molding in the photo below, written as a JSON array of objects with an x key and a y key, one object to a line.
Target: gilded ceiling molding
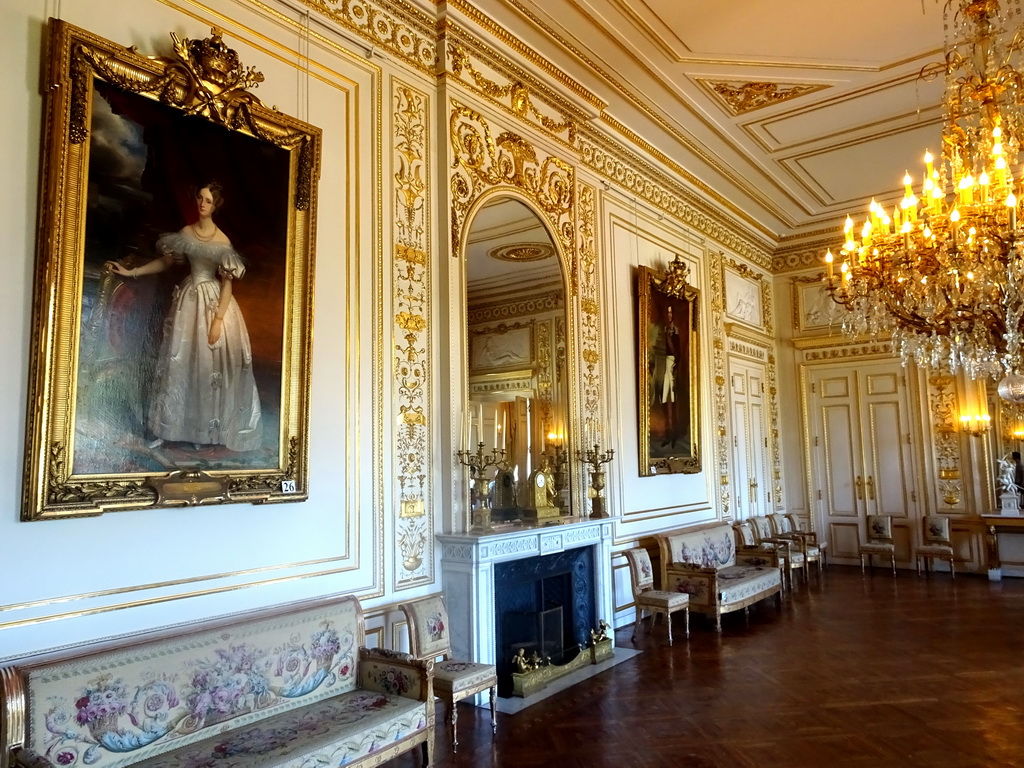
[
  {"x": 514, "y": 95},
  {"x": 401, "y": 29},
  {"x": 639, "y": 177},
  {"x": 484, "y": 161},
  {"x": 945, "y": 439},
  {"x": 519, "y": 253},
  {"x": 515, "y": 43},
  {"x": 742, "y": 97},
  {"x": 411, "y": 370},
  {"x": 721, "y": 402}
]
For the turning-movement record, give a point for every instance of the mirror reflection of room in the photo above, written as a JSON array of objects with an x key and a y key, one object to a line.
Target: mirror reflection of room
[{"x": 515, "y": 415}]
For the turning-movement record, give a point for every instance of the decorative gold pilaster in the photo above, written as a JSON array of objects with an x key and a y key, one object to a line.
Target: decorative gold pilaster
[
  {"x": 945, "y": 440},
  {"x": 590, "y": 305},
  {"x": 718, "y": 360},
  {"x": 411, "y": 364}
]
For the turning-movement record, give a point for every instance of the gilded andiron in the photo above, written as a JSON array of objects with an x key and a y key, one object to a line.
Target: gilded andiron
[{"x": 595, "y": 458}]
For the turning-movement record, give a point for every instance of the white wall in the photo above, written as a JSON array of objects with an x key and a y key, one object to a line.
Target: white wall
[{"x": 79, "y": 579}]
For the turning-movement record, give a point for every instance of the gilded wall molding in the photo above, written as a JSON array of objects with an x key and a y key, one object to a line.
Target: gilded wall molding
[
  {"x": 740, "y": 97},
  {"x": 518, "y": 95},
  {"x": 804, "y": 257},
  {"x": 506, "y": 309},
  {"x": 721, "y": 393},
  {"x": 767, "y": 312},
  {"x": 590, "y": 307},
  {"x": 945, "y": 439},
  {"x": 401, "y": 29},
  {"x": 851, "y": 350},
  {"x": 411, "y": 370},
  {"x": 633, "y": 173},
  {"x": 483, "y": 161}
]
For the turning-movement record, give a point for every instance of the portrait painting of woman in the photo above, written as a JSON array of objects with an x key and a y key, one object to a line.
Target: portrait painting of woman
[
  {"x": 204, "y": 391},
  {"x": 185, "y": 263}
]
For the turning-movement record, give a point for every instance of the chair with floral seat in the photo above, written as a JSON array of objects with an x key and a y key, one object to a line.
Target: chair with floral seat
[
  {"x": 879, "y": 541},
  {"x": 454, "y": 680},
  {"x": 646, "y": 597},
  {"x": 790, "y": 551},
  {"x": 783, "y": 528},
  {"x": 935, "y": 543}
]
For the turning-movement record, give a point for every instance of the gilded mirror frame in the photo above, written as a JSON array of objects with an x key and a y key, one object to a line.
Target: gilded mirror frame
[
  {"x": 88, "y": 431},
  {"x": 665, "y": 448},
  {"x": 540, "y": 344}
]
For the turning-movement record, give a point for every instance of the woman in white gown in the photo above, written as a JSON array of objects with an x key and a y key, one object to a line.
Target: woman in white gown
[{"x": 204, "y": 391}]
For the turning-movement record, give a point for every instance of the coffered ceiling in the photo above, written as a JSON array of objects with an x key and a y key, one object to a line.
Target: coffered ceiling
[{"x": 795, "y": 112}]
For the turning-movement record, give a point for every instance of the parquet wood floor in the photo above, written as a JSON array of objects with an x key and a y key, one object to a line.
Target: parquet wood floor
[{"x": 853, "y": 672}]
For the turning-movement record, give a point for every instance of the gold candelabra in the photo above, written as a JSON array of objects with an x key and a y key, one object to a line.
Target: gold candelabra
[
  {"x": 477, "y": 461},
  {"x": 595, "y": 458}
]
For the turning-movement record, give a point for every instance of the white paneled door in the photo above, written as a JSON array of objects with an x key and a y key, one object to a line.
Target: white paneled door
[
  {"x": 860, "y": 440},
  {"x": 750, "y": 481}
]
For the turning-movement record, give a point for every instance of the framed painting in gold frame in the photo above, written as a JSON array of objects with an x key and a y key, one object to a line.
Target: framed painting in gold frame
[
  {"x": 173, "y": 294},
  {"x": 668, "y": 376}
]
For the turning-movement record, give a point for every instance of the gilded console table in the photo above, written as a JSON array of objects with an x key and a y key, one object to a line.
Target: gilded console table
[{"x": 996, "y": 524}]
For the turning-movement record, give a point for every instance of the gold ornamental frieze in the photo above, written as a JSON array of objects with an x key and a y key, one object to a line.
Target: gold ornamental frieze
[
  {"x": 401, "y": 30},
  {"x": 504, "y": 309},
  {"x": 484, "y": 161},
  {"x": 590, "y": 297},
  {"x": 515, "y": 96},
  {"x": 412, "y": 309}
]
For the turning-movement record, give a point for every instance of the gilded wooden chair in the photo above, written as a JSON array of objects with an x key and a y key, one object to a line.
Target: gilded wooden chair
[
  {"x": 879, "y": 541},
  {"x": 646, "y": 597},
  {"x": 748, "y": 548},
  {"x": 811, "y": 536},
  {"x": 784, "y": 528},
  {"x": 789, "y": 550},
  {"x": 935, "y": 543},
  {"x": 453, "y": 680}
]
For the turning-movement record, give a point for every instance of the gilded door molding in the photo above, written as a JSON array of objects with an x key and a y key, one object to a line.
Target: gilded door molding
[{"x": 411, "y": 363}]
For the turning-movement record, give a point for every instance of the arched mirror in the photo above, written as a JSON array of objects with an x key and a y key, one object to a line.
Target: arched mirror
[{"x": 517, "y": 411}]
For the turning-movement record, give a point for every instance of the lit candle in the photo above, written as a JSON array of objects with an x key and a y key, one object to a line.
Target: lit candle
[
  {"x": 1011, "y": 203},
  {"x": 828, "y": 263},
  {"x": 504, "y": 428},
  {"x": 928, "y": 162}
]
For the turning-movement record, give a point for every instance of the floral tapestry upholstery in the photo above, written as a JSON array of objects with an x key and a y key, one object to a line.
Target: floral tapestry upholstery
[
  {"x": 641, "y": 570},
  {"x": 383, "y": 677},
  {"x": 936, "y": 530},
  {"x": 333, "y": 732},
  {"x": 736, "y": 583},
  {"x": 708, "y": 548},
  {"x": 122, "y": 707},
  {"x": 428, "y": 628},
  {"x": 453, "y": 677}
]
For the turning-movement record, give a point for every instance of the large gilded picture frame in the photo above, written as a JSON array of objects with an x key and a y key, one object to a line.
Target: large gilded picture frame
[
  {"x": 669, "y": 377},
  {"x": 173, "y": 294}
]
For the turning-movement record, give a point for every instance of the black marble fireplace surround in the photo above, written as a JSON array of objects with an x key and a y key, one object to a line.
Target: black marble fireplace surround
[{"x": 536, "y": 596}]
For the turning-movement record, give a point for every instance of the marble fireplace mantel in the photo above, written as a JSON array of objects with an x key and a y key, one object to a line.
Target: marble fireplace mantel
[{"x": 467, "y": 568}]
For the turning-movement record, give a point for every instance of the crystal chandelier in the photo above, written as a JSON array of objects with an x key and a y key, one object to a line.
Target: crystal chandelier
[{"x": 944, "y": 273}]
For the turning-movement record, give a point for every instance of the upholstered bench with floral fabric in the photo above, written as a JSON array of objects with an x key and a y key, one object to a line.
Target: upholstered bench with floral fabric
[
  {"x": 286, "y": 689},
  {"x": 703, "y": 563}
]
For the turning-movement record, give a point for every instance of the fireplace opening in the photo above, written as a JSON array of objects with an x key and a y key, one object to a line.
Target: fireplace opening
[{"x": 544, "y": 606}]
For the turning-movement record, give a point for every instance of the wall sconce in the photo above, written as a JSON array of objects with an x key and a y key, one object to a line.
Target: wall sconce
[{"x": 976, "y": 425}]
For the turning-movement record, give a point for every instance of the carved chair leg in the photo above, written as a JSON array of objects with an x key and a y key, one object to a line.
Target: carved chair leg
[
  {"x": 718, "y": 623},
  {"x": 455, "y": 726},
  {"x": 862, "y": 556},
  {"x": 893, "y": 559},
  {"x": 636, "y": 623},
  {"x": 494, "y": 695},
  {"x": 668, "y": 621},
  {"x": 952, "y": 568},
  {"x": 687, "y": 612}
]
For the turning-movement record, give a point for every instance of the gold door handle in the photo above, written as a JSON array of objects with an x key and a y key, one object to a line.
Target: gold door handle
[
  {"x": 860, "y": 488},
  {"x": 870, "y": 483}
]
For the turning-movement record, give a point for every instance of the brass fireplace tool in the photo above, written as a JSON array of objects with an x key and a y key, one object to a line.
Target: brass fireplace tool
[{"x": 596, "y": 459}]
